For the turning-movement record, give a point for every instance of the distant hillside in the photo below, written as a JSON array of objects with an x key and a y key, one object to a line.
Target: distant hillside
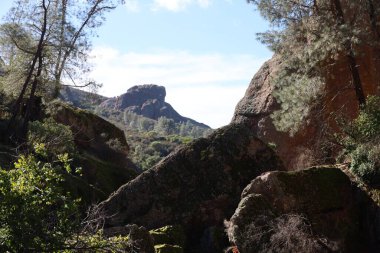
[
  {"x": 80, "y": 98},
  {"x": 153, "y": 128}
]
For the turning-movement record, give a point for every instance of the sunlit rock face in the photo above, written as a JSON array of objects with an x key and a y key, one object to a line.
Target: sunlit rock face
[{"x": 310, "y": 145}]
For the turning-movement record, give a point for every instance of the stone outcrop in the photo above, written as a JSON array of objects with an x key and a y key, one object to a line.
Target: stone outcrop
[
  {"x": 146, "y": 100},
  {"x": 197, "y": 186},
  {"x": 323, "y": 198}
]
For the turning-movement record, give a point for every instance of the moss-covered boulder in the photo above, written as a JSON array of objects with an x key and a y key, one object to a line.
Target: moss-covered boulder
[
  {"x": 316, "y": 206},
  {"x": 174, "y": 235},
  {"x": 167, "y": 248}
]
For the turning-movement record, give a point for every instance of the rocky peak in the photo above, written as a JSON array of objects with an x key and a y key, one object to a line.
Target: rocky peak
[
  {"x": 147, "y": 100},
  {"x": 140, "y": 94}
]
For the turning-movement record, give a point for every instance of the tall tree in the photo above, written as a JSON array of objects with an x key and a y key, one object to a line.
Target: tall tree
[{"x": 307, "y": 36}]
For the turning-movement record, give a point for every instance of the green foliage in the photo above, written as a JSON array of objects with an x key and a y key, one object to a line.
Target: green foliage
[
  {"x": 163, "y": 126},
  {"x": 99, "y": 243},
  {"x": 362, "y": 144},
  {"x": 151, "y": 140},
  {"x": 365, "y": 163},
  {"x": 54, "y": 137},
  {"x": 147, "y": 149},
  {"x": 366, "y": 127},
  {"x": 296, "y": 94},
  {"x": 35, "y": 212},
  {"x": 58, "y": 32}
]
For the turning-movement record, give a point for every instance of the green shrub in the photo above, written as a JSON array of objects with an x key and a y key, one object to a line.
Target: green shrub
[
  {"x": 362, "y": 143},
  {"x": 365, "y": 163},
  {"x": 57, "y": 138},
  {"x": 36, "y": 214}
]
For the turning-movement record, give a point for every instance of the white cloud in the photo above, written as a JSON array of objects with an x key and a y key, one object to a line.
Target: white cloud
[
  {"x": 178, "y": 5},
  {"x": 204, "y": 87},
  {"x": 132, "y": 5}
]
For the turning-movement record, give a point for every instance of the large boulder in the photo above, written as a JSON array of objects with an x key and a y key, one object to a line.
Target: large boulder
[
  {"x": 196, "y": 186},
  {"x": 313, "y": 210}
]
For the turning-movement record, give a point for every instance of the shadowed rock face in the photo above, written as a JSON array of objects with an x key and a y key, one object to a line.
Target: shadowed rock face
[
  {"x": 147, "y": 100},
  {"x": 323, "y": 195},
  {"x": 198, "y": 185}
]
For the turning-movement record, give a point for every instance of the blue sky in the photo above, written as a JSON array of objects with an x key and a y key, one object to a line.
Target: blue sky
[{"x": 203, "y": 51}]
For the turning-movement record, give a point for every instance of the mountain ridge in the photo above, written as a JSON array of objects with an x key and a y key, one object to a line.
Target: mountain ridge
[{"x": 147, "y": 100}]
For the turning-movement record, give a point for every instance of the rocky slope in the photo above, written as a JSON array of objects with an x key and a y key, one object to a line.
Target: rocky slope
[{"x": 197, "y": 186}]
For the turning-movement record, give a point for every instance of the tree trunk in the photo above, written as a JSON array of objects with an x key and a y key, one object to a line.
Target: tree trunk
[
  {"x": 57, "y": 70},
  {"x": 350, "y": 55},
  {"x": 37, "y": 56}
]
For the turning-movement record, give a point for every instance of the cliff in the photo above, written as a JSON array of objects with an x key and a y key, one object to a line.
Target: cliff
[{"x": 311, "y": 144}]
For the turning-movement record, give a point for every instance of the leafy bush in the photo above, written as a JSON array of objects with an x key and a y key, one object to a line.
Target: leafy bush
[
  {"x": 57, "y": 138},
  {"x": 362, "y": 144},
  {"x": 366, "y": 163},
  {"x": 36, "y": 214},
  {"x": 366, "y": 127}
]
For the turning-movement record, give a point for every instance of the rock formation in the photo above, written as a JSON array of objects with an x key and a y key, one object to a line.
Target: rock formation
[
  {"x": 196, "y": 186},
  {"x": 102, "y": 147},
  {"x": 149, "y": 101},
  {"x": 322, "y": 199},
  {"x": 309, "y": 146}
]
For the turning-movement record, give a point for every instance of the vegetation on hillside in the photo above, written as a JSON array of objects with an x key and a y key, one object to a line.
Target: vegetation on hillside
[{"x": 151, "y": 140}]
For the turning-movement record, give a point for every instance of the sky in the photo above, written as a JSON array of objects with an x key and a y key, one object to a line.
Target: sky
[{"x": 204, "y": 52}]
